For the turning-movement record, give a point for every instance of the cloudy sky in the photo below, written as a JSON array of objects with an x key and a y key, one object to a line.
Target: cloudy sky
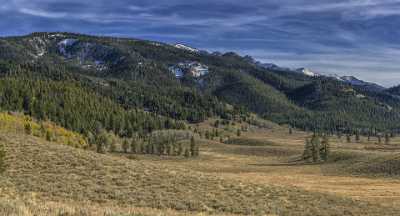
[{"x": 347, "y": 37}]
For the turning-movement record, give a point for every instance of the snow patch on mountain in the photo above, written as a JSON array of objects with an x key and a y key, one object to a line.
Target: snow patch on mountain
[
  {"x": 64, "y": 44},
  {"x": 307, "y": 72},
  {"x": 187, "y": 48}
]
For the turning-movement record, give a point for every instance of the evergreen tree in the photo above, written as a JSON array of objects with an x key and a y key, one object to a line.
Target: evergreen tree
[
  {"x": 90, "y": 139},
  {"x": 112, "y": 144},
  {"x": 147, "y": 149},
  {"x": 216, "y": 124},
  {"x": 387, "y": 139},
  {"x": 134, "y": 146},
  {"x": 207, "y": 135},
  {"x": 307, "y": 154},
  {"x": 2, "y": 159},
  {"x": 348, "y": 138},
  {"x": 192, "y": 146},
  {"x": 169, "y": 149},
  {"x": 48, "y": 135},
  {"x": 102, "y": 141},
  {"x": 216, "y": 134},
  {"x": 238, "y": 133},
  {"x": 187, "y": 153},
  {"x": 325, "y": 151},
  {"x": 357, "y": 136},
  {"x": 125, "y": 146},
  {"x": 339, "y": 135},
  {"x": 315, "y": 141},
  {"x": 142, "y": 147},
  {"x": 180, "y": 149}
]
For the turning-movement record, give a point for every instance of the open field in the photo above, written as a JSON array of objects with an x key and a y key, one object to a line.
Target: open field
[{"x": 45, "y": 178}]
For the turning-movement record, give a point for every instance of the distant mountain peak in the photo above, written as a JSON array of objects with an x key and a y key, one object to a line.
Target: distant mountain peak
[
  {"x": 357, "y": 82},
  {"x": 272, "y": 66}
]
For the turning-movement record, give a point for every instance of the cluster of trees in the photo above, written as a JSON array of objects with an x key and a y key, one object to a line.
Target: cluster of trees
[
  {"x": 157, "y": 143},
  {"x": 369, "y": 134},
  {"x": 316, "y": 149}
]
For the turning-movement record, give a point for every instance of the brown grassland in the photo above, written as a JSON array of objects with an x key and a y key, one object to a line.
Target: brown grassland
[{"x": 258, "y": 173}]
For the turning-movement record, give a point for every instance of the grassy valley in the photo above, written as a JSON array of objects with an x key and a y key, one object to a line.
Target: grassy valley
[
  {"x": 255, "y": 175},
  {"x": 114, "y": 126}
]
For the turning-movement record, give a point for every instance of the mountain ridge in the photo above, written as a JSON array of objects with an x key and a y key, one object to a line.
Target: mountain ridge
[{"x": 135, "y": 74}]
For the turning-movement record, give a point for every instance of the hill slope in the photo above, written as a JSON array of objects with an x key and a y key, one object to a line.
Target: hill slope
[{"x": 135, "y": 74}]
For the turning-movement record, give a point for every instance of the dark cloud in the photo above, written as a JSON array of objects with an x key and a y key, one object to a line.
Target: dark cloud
[{"x": 360, "y": 37}]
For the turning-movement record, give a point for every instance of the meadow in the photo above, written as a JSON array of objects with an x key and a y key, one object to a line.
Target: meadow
[{"x": 256, "y": 173}]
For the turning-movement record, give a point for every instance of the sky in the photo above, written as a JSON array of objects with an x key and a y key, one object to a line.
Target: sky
[{"x": 345, "y": 37}]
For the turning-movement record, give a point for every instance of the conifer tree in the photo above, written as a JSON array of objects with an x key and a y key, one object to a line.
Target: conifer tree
[
  {"x": 307, "y": 154},
  {"x": 90, "y": 139},
  {"x": 112, "y": 144},
  {"x": 125, "y": 146},
  {"x": 143, "y": 147},
  {"x": 180, "y": 149},
  {"x": 139, "y": 149},
  {"x": 238, "y": 133},
  {"x": 2, "y": 159},
  {"x": 147, "y": 149},
  {"x": 387, "y": 139},
  {"x": 134, "y": 146},
  {"x": 325, "y": 148},
  {"x": 102, "y": 141},
  {"x": 48, "y": 135},
  {"x": 192, "y": 146},
  {"x": 207, "y": 135},
  {"x": 169, "y": 148},
  {"x": 339, "y": 135},
  {"x": 315, "y": 141},
  {"x": 357, "y": 136},
  {"x": 187, "y": 153},
  {"x": 216, "y": 124}
]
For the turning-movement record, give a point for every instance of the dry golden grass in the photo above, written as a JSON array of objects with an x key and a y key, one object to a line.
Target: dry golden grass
[
  {"x": 62, "y": 178},
  {"x": 44, "y": 178}
]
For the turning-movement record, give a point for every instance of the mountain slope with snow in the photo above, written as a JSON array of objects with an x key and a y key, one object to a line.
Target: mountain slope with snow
[{"x": 187, "y": 48}]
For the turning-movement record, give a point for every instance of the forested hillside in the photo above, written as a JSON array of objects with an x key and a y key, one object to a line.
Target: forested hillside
[{"x": 126, "y": 85}]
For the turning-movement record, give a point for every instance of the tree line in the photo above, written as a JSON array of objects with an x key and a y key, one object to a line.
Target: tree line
[{"x": 157, "y": 143}]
